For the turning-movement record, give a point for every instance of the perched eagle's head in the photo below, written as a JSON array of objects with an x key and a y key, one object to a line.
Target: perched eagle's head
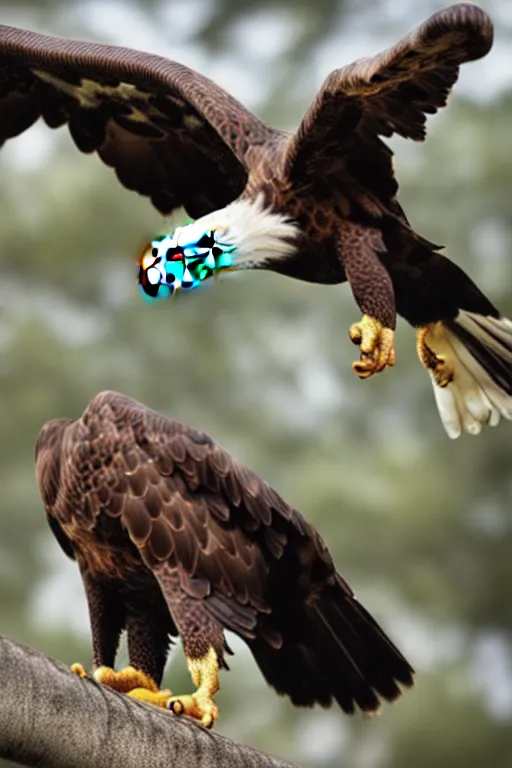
[{"x": 244, "y": 235}]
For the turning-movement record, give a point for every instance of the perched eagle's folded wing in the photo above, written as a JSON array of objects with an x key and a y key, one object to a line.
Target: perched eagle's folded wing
[
  {"x": 392, "y": 92},
  {"x": 170, "y": 133},
  {"x": 186, "y": 505}
]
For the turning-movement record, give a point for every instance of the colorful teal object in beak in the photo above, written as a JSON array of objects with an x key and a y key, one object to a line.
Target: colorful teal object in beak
[{"x": 182, "y": 260}]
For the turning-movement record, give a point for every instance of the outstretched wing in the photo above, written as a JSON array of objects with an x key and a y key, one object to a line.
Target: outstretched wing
[
  {"x": 392, "y": 92},
  {"x": 185, "y": 503},
  {"x": 170, "y": 133}
]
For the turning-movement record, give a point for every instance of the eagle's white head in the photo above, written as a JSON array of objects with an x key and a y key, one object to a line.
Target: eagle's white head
[{"x": 243, "y": 235}]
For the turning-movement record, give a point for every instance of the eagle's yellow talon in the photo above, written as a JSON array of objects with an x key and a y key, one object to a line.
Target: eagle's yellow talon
[
  {"x": 355, "y": 334},
  {"x": 157, "y": 698},
  {"x": 200, "y": 707},
  {"x": 79, "y": 669},
  {"x": 376, "y": 344},
  {"x": 175, "y": 706},
  {"x": 134, "y": 683},
  {"x": 126, "y": 680},
  {"x": 363, "y": 368},
  {"x": 204, "y": 671},
  {"x": 436, "y": 363},
  {"x": 443, "y": 373}
]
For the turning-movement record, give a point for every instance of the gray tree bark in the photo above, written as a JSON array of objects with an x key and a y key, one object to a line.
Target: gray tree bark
[{"x": 49, "y": 718}]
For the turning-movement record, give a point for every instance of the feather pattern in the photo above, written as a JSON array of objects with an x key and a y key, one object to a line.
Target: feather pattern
[
  {"x": 214, "y": 534},
  {"x": 479, "y": 350},
  {"x": 318, "y": 205},
  {"x": 168, "y": 132},
  {"x": 392, "y": 92},
  {"x": 258, "y": 235}
]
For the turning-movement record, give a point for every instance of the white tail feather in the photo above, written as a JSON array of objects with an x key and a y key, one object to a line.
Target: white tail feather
[
  {"x": 258, "y": 235},
  {"x": 482, "y": 327},
  {"x": 447, "y": 407},
  {"x": 474, "y": 397}
]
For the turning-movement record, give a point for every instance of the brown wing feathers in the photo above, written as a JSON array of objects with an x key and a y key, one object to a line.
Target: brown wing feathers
[
  {"x": 392, "y": 92},
  {"x": 181, "y": 501},
  {"x": 170, "y": 133},
  {"x": 401, "y": 86},
  {"x": 200, "y": 520},
  {"x": 176, "y": 137}
]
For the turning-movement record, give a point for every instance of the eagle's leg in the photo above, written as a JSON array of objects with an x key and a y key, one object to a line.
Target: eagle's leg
[
  {"x": 436, "y": 363},
  {"x": 204, "y": 645},
  {"x": 147, "y": 643},
  {"x": 148, "y": 625},
  {"x": 358, "y": 248},
  {"x": 106, "y": 618},
  {"x": 204, "y": 671}
]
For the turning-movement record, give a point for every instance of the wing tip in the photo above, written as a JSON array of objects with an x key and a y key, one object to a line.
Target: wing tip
[{"x": 470, "y": 19}]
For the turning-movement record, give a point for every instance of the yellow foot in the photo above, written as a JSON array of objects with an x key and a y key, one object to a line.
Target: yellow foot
[
  {"x": 197, "y": 705},
  {"x": 79, "y": 669},
  {"x": 432, "y": 334},
  {"x": 126, "y": 680},
  {"x": 133, "y": 682},
  {"x": 376, "y": 344},
  {"x": 157, "y": 698},
  {"x": 204, "y": 671}
]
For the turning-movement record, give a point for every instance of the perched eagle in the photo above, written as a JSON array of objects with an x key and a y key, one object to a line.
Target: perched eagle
[
  {"x": 173, "y": 536},
  {"x": 319, "y": 205}
]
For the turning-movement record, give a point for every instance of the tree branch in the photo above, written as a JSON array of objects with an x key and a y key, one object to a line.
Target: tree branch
[{"x": 49, "y": 718}]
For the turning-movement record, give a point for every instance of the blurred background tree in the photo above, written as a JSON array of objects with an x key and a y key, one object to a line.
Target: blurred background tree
[{"x": 420, "y": 526}]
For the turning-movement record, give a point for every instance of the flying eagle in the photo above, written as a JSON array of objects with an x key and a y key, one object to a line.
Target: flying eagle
[
  {"x": 319, "y": 205},
  {"x": 173, "y": 536}
]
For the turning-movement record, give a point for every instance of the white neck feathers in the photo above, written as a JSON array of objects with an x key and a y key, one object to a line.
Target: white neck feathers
[{"x": 258, "y": 235}]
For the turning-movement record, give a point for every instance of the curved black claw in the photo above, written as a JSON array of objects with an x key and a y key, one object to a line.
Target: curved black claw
[{"x": 175, "y": 706}]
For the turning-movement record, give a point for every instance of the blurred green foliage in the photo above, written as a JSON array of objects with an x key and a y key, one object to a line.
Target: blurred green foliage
[{"x": 419, "y": 525}]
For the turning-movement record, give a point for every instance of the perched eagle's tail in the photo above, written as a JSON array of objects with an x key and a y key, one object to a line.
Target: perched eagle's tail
[
  {"x": 477, "y": 352},
  {"x": 334, "y": 650}
]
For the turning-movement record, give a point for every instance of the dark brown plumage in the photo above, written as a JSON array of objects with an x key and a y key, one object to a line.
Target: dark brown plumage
[
  {"x": 176, "y": 137},
  {"x": 172, "y": 535}
]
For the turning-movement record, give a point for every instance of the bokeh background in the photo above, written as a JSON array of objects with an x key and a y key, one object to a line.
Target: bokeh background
[{"x": 419, "y": 525}]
